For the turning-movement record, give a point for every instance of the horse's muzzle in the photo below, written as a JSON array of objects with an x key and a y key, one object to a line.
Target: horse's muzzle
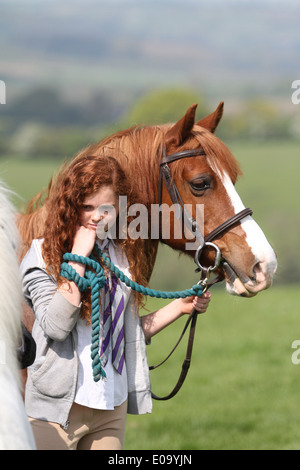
[{"x": 261, "y": 280}]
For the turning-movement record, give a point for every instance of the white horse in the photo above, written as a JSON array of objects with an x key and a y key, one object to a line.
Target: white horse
[{"x": 15, "y": 429}]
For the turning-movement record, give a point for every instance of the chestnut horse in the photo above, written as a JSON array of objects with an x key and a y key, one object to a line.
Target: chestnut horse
[{"x": 206, "y": 176}]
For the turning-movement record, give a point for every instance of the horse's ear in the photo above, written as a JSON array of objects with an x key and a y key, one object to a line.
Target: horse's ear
[
  {"x": 181, "y": 130},
  {"x": 211, "y": 122}
]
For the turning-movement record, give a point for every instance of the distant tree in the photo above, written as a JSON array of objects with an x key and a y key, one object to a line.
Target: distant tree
[
  {"x": 49, "y": 106},
  {"x": 101, "y": 108},
  {"x": 256, "y": 120},
  {"x": 43, "y": 105},
  {"x": 38, "y": 141},
  {"x": 162, "y": 106}
]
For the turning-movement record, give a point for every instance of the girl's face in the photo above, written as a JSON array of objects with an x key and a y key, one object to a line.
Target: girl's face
[{"x": 99, "y": 211}]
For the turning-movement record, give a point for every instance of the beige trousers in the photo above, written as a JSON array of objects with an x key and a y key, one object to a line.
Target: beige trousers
[{"x": 89, "y": 429}]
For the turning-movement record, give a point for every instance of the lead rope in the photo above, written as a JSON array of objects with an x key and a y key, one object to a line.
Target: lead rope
[{"x": 96, "y": 280}]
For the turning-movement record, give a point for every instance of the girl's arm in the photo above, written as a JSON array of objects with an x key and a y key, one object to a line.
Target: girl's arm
[
  {"x": 84, "y": 241},
  {"x": 157, "y": 321}
]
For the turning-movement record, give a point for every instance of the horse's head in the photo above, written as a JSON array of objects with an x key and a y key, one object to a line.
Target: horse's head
[{"x": 209, "y": 179}]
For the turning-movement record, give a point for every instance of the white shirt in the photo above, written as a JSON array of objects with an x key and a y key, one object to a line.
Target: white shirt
[{"x": 105, "y": 394}]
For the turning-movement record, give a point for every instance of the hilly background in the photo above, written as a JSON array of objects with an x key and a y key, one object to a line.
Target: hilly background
[{"x": 232, "y": 48}]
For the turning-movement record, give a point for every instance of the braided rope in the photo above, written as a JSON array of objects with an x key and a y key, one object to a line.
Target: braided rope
[
  {"x": 96, "y": 280},
  {"x": 195, "y": 290}
]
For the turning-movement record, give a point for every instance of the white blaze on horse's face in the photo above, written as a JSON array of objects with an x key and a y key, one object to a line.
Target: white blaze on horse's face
[{"x": 265, "y": 263}]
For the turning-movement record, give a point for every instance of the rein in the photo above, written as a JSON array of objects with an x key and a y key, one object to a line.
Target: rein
[{"x": 192, "y": 225}]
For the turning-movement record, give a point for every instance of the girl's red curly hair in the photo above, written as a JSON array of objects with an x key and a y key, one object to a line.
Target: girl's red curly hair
[{"x": 78, "y": 180}]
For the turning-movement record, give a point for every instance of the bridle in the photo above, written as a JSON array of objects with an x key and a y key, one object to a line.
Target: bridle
[
  {"x": 189, "y": 221},
  {"x": 204, "y": 241}
]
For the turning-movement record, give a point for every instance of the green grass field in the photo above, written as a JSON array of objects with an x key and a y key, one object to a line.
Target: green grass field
[{"x": 242, "y": 391}]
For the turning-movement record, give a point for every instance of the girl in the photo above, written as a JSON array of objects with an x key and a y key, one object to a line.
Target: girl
[{"x": 67, "y": 408}]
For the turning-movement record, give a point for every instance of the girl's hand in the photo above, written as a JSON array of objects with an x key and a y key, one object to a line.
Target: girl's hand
[
  {"x": 83, "y": 244},
  {"x": 84, "y": 241},
  {"x": 198, "y": 303},
  {"x": 154, "y": 322}
]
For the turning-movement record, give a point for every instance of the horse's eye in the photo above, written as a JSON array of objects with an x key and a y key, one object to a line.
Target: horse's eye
[{"x": 200, "y": 185}]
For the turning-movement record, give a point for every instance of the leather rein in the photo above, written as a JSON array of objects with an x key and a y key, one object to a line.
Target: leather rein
[{"x": 190, "y": 222}]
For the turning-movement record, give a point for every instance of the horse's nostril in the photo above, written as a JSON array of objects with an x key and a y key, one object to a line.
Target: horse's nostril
[
  {"x": 257, "y": 270},
  {"x": 258, "y": 267}
]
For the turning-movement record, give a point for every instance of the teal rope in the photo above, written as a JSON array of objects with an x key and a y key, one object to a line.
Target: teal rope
[
  {"x": 195, "y": 290},
  {"x": 96, "y": 280}
]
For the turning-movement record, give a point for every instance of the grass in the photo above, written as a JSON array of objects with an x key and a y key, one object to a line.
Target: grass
[
  {"x": 27, "y": 177},
  {"x": 242, "y": 391}
]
